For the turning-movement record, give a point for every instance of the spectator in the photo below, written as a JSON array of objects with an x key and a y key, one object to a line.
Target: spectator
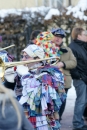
[
  {"x": 85, "y": 112},
  {"x": 67, "y": 61},
  {"x": 79, "y": 75}
]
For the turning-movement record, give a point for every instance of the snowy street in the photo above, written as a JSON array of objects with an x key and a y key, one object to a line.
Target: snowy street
[{"x": 66, "y": 122}]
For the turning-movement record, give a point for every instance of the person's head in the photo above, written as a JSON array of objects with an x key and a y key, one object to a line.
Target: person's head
[
  {"x": 79, "y": 33},
  {"x": 34, "y": 35},
  {"x": 32, "y": 52},
  {"x": 59, "y": 34},
  {"x": 7, "y": 95}
]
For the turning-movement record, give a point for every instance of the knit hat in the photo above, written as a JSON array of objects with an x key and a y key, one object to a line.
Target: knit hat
[
  {"x": 44, "y": 40},
  {"x": 34, "y": 51}
]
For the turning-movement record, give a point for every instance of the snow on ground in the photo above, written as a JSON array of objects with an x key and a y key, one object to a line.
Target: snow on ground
[
  {"x": 66, "y": 122},
  {"x": 71, "y": 93},
  {"x": 71, "y": 96}
]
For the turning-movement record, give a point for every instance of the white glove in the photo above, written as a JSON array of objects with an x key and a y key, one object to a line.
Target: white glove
[
  {"x": 22, "y": 70},
  {"x": 10, "y": 74}
]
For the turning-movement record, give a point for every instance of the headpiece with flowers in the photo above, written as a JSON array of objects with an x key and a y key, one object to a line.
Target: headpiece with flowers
[{"x": 44, "y": 40}]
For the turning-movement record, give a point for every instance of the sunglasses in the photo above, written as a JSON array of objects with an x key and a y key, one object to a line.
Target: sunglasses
[{"x": 25, "y": 56}]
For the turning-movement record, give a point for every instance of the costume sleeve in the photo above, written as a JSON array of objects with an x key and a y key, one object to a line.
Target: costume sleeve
[{"x": 9, "y": 84}]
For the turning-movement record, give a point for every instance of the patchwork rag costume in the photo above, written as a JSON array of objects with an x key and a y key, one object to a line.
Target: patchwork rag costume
[
  {"x": 43, "y": 93},
  {"x": 42, "y": 97}
]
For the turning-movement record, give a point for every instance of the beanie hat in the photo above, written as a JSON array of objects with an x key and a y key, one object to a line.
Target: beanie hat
[
  {"x": 34, "y": 51},
  {"x": 44, "y": 40}
]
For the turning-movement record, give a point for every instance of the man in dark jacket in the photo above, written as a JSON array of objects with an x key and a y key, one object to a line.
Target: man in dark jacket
[{"x": 79, "y": 76}]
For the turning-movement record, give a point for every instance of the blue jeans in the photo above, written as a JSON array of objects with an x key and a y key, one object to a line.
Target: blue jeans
[{"x": 81, "y": 92}]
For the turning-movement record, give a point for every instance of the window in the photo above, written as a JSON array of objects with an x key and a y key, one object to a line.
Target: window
[{"x": 53, "y": 3}]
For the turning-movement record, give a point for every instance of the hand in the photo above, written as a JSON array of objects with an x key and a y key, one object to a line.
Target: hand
[
  {"x": 10, "y": 74},
  {"x": 22, "y": 70},
  {"x": 60, "y": 65}
]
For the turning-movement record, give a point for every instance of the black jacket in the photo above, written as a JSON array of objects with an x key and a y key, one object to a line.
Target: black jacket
[{"x": 79, "y": 49}]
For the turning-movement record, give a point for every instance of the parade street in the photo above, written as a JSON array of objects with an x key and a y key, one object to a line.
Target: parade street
[{"x": 66, "y": 122}]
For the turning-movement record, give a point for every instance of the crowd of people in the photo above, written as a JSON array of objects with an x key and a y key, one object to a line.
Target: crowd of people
[{"x": 33, "y": 95}]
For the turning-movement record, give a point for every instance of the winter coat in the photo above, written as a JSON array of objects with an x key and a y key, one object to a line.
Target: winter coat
[
  {"x": 79, "y": 49},
  {"x": 70, "y": 62},
  {"x": 10, "y": 121}
]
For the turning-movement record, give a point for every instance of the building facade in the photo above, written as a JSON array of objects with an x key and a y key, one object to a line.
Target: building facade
[{"x": 19, "y": 4}]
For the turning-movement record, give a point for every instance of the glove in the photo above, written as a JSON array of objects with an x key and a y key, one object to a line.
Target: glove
[
  {"x": 22, "y": 70},
  {"x": 10, "y": 74}
]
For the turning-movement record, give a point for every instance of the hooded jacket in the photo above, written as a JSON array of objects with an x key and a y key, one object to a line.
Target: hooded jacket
[{"x": 10, "y": 122}]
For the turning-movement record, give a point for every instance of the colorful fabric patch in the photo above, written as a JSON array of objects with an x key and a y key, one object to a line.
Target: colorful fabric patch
[{"x": 44, "y": 40}]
